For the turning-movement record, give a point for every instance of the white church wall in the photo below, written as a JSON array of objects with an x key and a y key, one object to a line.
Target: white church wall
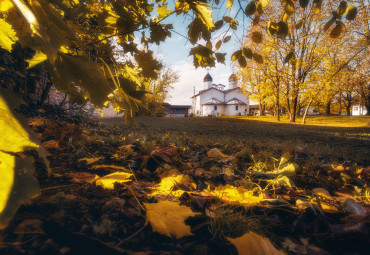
[
  {"x": 212, "y": 93},
  {"x": 236, "y": 93},
  {"x": 232, "y": 111},
  {"x": 210, "y": 110}
]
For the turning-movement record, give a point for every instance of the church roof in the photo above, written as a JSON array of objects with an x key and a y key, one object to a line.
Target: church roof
[
  {"x": 235, "y": 101},
  {"x": 208, "y": 77}
]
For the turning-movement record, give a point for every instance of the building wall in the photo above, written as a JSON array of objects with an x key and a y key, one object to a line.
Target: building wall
[
  {"x": 209, "y": 110},
  {"x": 236, "y": 93},
  {"x": 242, "y": 110},
  {"x": 212, "y": 93},
  {"x": 358, "y": 110}
]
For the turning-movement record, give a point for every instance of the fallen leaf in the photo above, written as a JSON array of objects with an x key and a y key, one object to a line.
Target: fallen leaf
[
  {"x": 238, "y": 195},
  {"x": 166, "y": 153},
  {"x": 109, "y": 180},
  {"x": 169, "y": 179},
  {"x": 90, "y": 161},
  {"x": 168, "y": 218},
  {"x": 83, "y": 177},
  {"x": 253, "y": 244},
  {"x": 216, "y": 153},
  {"x": 52, "y": 144},
  {"x": 109, "y": 167}
]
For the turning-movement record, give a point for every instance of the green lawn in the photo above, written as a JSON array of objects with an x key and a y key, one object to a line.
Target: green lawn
[
  {"x": 320, "y": 120},
  {"x": 321, "y": 142}
]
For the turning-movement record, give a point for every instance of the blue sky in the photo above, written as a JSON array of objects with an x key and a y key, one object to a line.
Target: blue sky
[{"x": 175, "y": 50}]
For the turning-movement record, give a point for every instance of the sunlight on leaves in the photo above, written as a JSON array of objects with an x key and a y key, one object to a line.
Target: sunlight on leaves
[
  {"x": 168, "y": 182},
  {"x": 239, "y": 195},
  {"x": 36, "y": 59},
  {"x": 254, "y": 244},
  {"x": 168, "y": 218},
  {"x": 7, "y": 162},
  {"x": 7, "y": 35},
  {"x": 109, "y": 180}
]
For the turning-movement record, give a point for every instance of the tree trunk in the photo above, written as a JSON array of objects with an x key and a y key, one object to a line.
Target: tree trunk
[
  {"x": 277, "y": 107},
  {"x": 305, "y": 112},
  {"x": 293, "y": 110},
  {"x": 348, "y": 109},
  {"x": 327, "y": 108}
]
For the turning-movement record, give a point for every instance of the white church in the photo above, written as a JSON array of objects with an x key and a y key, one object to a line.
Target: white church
[{"x": 216, "y": 100}]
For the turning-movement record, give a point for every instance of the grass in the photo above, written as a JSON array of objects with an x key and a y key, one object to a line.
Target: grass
[
  {"x": 319, "y": 142},
  {"x": 331, "y": 121}
]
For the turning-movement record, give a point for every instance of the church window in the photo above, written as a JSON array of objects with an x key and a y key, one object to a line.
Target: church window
[
  {"x": 236, "y": 107},
  {"x": 215, "y": 107}
]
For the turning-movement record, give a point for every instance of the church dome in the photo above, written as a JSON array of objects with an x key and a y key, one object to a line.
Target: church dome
[
  {"x": 208, "y": 77},
  {"x": 233, "y": 78}
]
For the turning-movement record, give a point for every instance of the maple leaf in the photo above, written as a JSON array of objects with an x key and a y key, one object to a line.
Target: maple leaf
[
  {"x": 253, "y": 244},
  {"x": 168, "y": 218}
]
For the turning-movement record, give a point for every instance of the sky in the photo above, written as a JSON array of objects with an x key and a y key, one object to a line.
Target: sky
[{"x": 174, "y": 53}]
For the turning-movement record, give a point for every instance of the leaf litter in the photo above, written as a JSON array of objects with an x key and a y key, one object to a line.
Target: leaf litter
[{"x": 120, "y": 194}]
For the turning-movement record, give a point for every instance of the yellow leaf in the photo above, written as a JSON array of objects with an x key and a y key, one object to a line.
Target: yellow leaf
[
  {"x": 109, "y": 180},
  {"x": 229, "y": 4},
  {"x": 254, "y": 244},
  {"x": 218, "y": 44},
  {"x": 163, "y": 12},
  {"x": 168, "y": 180},
  {"x": 7, "y": 162},
  {"x": 168, "y": 218},
  {"x": 36, "y": 59},
  {"x": 90, "y": 161},
  {"x": 5, "y": 5},
  {"x": 216, "y": 153},
  {"x": 109, "y": 167},
  {"x": 7, "y": 35},
  {"x": 239, "y": 195},
  {"x": 27, "y": 14},
  {"x": 251, "y": 8},
  {"x": 202, "y": 11},
  {"x": 351, "y": 12}
]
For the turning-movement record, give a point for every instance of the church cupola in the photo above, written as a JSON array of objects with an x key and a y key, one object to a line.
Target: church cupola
[
  {"x": 207, "y": 81},
  {"x": 233, "y": 81}
]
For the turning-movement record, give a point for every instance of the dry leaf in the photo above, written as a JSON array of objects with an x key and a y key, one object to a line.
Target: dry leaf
[
  {"x": 109, "y": 167},
  {"x": 52, "y": 144},
  {"x": 83, "y": 177},
  {"x": 216, "y": 153},
  {"x": 253, "y": 244},
  {"x": 90, "y": 161},
  {"x": 108, "y": 181},
  {"x": 168, "y": 218},
  {"x": 238, "y": 195}
]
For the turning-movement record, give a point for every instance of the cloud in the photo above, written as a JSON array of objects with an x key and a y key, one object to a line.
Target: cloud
[{"x": 190, "y": 77}]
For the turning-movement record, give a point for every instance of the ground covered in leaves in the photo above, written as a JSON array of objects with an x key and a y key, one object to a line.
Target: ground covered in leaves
[{"x": 194, "y": 186}]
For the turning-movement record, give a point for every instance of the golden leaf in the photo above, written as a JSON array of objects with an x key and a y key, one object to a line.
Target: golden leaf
[
  {"x": 337, "y": 30},
  {"x": 218, "y": 44},
  {"x": 342, "y": 8},
  {"x": 5, "y": 5},
  {"x": 329, "y": 24},
  {"x": 288, "y": 7},
  {"x": 7, "y": 35},
  {"x": 227, "y": 38},
  {"x": 202, "y": 11},
  {"x": 239, "y": 195},
  {"x": 168, "y": 218},
  {"x": 229, "y": 4},
  {"x": 272, "y": 27},
  {"x": 109, "y": 180},
  {"x": 254, "y": 244},
  {"x": 351, "y": 12},
  {"x": 316, "y": 6},
  {"x": 36, "y": 59},
  {"x": 258, "y": 58},
  {"x": 163, "y": 12}
]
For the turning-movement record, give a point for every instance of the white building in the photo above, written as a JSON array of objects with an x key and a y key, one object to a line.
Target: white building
[
  {"x": 358, "y": 110},
  {"x": 215, "y": 100}
]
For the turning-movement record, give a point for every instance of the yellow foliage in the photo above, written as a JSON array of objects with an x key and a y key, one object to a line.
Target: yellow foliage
[
  {"x": 168, "y": 182},
  {"x": 236, "y": 195},
  {"x": 168, "y": 218},
  {"x": 7, "y": 35},
  {"x": 108, "y": 166},
  {"x": 36, "y": 59},
  {"x": 7, "y": 178},
  {"x": 5, "y": 5},
  {"x": 109, "y": 180},
  {"x": 13, "y": 136},
  {"x": 253, "y": 244}
]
